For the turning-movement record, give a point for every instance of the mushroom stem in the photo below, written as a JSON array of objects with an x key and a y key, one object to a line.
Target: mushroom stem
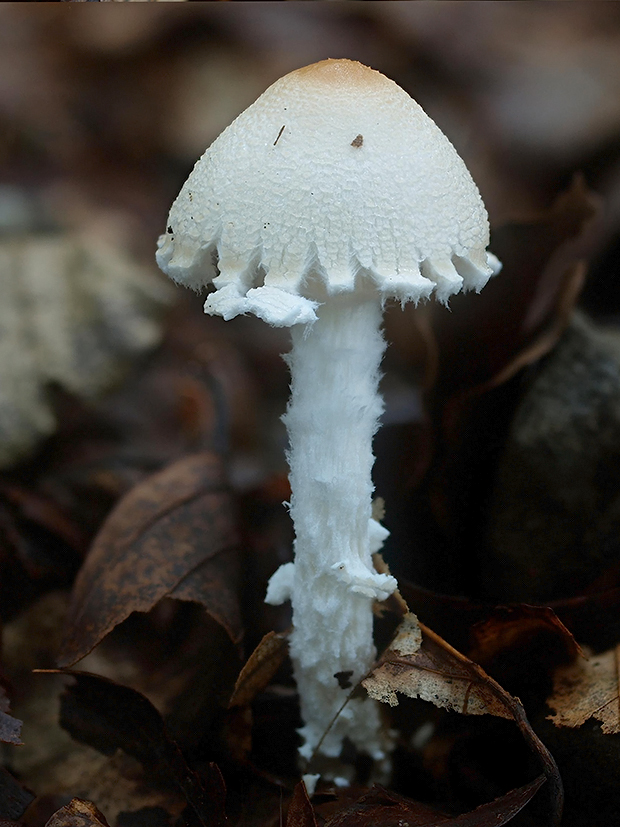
[{"x": 332, "y": 416}]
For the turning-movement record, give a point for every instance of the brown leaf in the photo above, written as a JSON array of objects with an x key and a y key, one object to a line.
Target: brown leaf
[
  {"x": 433, "y": 671},
  {"x": 588, "y": 688},
  {"x": 211, "y": 584},
  {"x": 516, "y": 635},
  {"x": 108, "y": 716},
  {"x": 300, "y": 811},
  {"x": 512, "y": 627},
  {"x": 32, "y": 560},
  {"x": 502, "y": 810},
  {"x": 592, "y": 618},
  {"x": 260, "y": 667},
  {"x": 588, "y": 618},
  {"x": 419, "y": 666},
  {"x": 78, "y": 813},
  {"x": 382, "y": 808},
  {"x": 157, "y": 540},
  {"x": 385, "y": 808}
]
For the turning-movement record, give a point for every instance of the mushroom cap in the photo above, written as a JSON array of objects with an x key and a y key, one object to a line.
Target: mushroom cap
[{"x": 333, "y": 179}]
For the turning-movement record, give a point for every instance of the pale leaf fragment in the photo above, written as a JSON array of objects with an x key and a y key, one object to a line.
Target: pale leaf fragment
[
  {"x": 408, "y": 637},
  {"x": 588, "y": 689},
  {"x": 419, "y": 664}
]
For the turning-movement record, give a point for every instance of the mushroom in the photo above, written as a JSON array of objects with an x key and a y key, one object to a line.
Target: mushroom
[{"x": 331, "y": 194}]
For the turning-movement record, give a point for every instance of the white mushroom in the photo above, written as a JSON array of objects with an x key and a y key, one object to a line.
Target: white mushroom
[{"x": 329, "y": 195}]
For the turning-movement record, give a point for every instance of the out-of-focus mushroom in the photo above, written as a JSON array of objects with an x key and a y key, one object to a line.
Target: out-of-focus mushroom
[
  {"x": 74, "y": 312},
  {"x": 331, "y": 194}
]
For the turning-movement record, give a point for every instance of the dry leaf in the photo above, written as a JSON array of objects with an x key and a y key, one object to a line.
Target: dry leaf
[
  {"x": 260, "y": 667},
  {"x": 300, "y": 811},
  {"x": 14, "y": 797},
  {"x": 514, "y": 627},
  {"x": 78, "y": 813},
  {"x": 421, "y": 668},
  {"x": 437, "y": 673},
  {"x": 10, "y": 727},
  {"x": 592, "y": 617},
  {"x": 108, "y": 716},
  {"x": 172, "y": 535},
  {"x": 382, "y": 808},
  {"x": 588, "y": 689}
]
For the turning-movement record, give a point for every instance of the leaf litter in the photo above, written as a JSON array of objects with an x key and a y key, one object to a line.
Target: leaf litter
[
  {"x": 588, "y": 688},
  {"x": 420, "y": 664},
  {"x": 172, "y": 535},
  {"x": 108, "y": 716}
]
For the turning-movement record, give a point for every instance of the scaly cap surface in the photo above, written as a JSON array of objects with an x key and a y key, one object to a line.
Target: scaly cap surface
[{"x": 333, "y": 178}]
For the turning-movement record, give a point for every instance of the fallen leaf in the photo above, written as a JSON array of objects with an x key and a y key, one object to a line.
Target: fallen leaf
[
  {"x": 108, "y": 716},
  {"x": 260, "y": 667},
  {"x": 512, "y": 627},
  {"x": 14, "y": 797},
  {"x": 588, "y": 618},
  {"x": 213, "y": 584},
  {"x": 593, "y": 617},
  {"x": 10, "y": 729},
  {"x": 501, "y": 810},
  {"x": 382, "y": 808},
  {"x": 78, "y": 813},
  {"x": 31, "y": 560},
  {"x": 588, "y": 688},
  {"x": 436, "y": 672},
  {"x": 516, "y": 635},
  {"x": 419, "y": 666},
  {"x": 509, "y": 626},
  {"x": 379, "y": 806},
  {"x": 300, "y": 811},
  {"x": 173, "y": 532}
]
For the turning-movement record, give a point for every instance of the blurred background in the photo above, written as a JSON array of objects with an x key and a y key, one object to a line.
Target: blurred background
[
  {"x": 103, "y": 112},
  {"x": 109, "y": 374}
]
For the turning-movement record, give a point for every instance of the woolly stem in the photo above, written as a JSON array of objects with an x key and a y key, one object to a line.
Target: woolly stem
[{"x": 331, "y": 418}]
